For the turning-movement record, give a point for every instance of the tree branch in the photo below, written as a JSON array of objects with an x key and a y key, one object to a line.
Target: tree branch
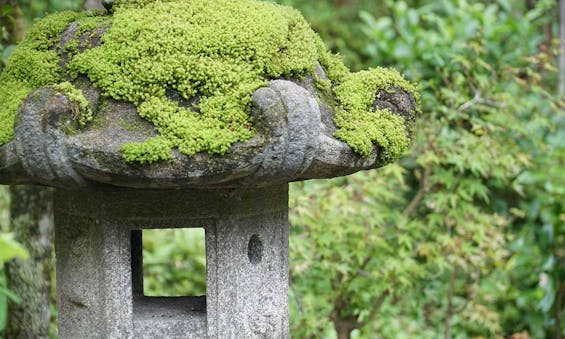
[
  {"x": 424, "y": 188},
  {"x": 473, "y": 294},
  {"x": 558, "y": 308},
  {"x": 465, "y": 106},
  {"x": 561, "y": 69},
  {"x": 477, "y": 99},
  {"x": 450, "y": 309},
  {"x": 378, "y": 304}
]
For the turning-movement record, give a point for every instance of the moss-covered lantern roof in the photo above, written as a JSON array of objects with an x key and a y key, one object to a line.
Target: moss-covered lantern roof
[{"x": 184, "y": 93}]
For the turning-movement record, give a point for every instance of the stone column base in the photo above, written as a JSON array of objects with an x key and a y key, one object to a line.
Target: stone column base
[{"x": 99, "y": 263}]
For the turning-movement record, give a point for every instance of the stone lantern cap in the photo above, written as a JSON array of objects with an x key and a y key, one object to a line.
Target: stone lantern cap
[{"x": 253, "y": 99}]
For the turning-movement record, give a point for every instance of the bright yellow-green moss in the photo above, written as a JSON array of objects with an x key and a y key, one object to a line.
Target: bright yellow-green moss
[
  {"x": 218, "y": 51},
  {"x": 82, "y": 113},
  {"x": 72, "y": 47},
  {"x": 361, "y": 126},
  {"x": 335, "y": 69},
  {"x": 11, "y": 95},
  {"x": 87, "y": 27},
  {"x": 214, "y": 54},
  {"x": 33, "y": 64},
  {"x": 152, "y": 150},
  {"x": 136, "y": 3}
]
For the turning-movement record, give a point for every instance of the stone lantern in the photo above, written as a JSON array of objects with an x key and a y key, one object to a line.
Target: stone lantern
[{"x": 240, "y": 198}]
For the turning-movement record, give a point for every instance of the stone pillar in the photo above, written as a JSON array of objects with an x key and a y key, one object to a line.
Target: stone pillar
[
  {"x": 99, "y": 263},
  {"x": 94, "y": 280},
  {"x": 32, "y": 224},
  {"x": 247, "y": 275}
]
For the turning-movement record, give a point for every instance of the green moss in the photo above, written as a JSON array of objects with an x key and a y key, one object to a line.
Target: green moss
[
  {"x": 87, "y": 29},
  {"x": 359, "y": 125},
  {"x": 11, "y": 95},
  {"x": 32, "y": 65},
  {"x": 212, "y": 52},
  {"x": 134, "y": 3},
  {"x": 92, "y": 22},
  {"x": 152, "y": 150},
  {"x": 72, "y": 47},
  {"x": 82, "y": 113},
  {"x": 47, "y": 31},
  {"x": 198, "y": 54},
  {"x": 334, "y": 66}
]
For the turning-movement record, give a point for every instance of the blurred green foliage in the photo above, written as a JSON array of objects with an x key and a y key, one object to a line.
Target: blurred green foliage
[
  {"x": 8, "y": 249},
  {"x": 34, "y": 9},
  {"x": 17, "y": 15},
  {"x": 465, "y": 236},
  {"x": 174, "y": 262}
]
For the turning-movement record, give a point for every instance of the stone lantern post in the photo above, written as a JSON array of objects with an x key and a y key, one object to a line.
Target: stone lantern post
[{"x": 240, "y": 198}]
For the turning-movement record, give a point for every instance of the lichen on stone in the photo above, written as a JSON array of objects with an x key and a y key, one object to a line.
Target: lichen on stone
[{"x": 211, "y": 53}]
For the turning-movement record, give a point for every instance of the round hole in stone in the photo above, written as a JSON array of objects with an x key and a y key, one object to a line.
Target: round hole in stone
[{"x": 255, "y": 249}]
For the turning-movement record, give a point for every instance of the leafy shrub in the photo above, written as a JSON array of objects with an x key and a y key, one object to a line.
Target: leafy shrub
[
  {"x": 465, "y": 207},
  {"x": 465, "y": 236}
]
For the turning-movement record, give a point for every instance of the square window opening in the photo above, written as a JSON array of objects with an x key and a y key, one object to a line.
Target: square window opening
[{"x": 172, "y": 262}]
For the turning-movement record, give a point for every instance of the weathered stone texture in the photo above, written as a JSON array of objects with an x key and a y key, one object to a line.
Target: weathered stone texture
[
  {"x": 246, "y": 255},
  {"x": 294, "y": 141}
]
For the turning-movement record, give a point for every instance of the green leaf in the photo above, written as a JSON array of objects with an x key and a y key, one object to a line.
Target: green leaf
[
  {"x": 11, "y": 295},
  {"x": 9, "y": 248}
]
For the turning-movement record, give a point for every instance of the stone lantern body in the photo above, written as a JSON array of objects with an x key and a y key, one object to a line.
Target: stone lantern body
[{"x": 240, "y": 198}]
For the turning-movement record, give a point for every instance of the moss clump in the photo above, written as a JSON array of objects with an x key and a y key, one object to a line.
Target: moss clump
[
  {"x": 87, "y": 29},
  {"x": 33, "y": 64},
  {"x": 214, "y": 54},
  {"x": 152, "y": 150},
  {"x": 359, "y": 125},
  {"x": 12, "y": 93},
  {"x": 82, "y": 113},
  {"x": 217, "y": 51},
  {"x": 72, "y": 47}
]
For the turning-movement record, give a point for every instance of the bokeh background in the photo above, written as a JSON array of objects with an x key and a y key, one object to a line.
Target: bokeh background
[{"x": 465, "y": 236}]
